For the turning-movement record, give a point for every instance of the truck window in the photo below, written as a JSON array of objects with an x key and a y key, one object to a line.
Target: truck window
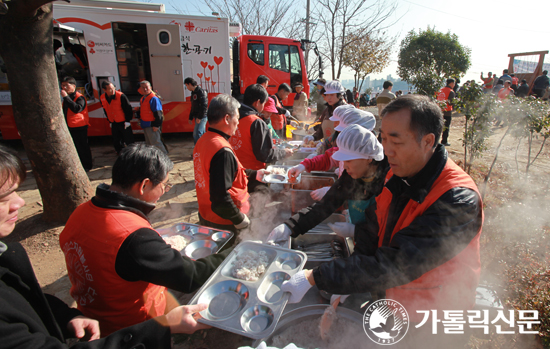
[
  {"x": 295, "y": 65},
  {"x": 256, "y": 53},
  {"x": 279, "y": 58}
]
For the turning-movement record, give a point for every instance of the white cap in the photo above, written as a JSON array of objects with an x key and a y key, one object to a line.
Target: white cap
[
  {"x": 356, "y": 142},
  {"x": 340, "y": 111},
  {"x": 357, "y": 117},
  {"x": 334, "y": 86}
]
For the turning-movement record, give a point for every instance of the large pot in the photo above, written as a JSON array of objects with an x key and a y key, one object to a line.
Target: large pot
[
  {"x": 299, "y": 134},
  {"x": 298, "y": 315}
]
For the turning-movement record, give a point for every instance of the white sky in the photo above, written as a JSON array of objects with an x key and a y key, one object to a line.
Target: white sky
[{"x": 491, "y": 29}]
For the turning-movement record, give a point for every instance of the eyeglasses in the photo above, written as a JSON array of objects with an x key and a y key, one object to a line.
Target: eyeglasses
[{"x": 167, "y": 186}]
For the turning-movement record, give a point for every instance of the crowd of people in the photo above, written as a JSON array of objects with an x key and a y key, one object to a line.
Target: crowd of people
[{"x": 415, "y": 216}]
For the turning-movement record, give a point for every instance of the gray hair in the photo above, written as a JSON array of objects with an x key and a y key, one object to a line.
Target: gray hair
[{"x": 220, "y": 106}]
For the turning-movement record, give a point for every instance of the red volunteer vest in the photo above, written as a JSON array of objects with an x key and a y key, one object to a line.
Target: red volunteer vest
[
  {"x": 114, "y": 109},
  {"x": 145, "y": 108},
  {"x": 443, "y": 95},
  {"x": 205, "y": 149},
  {"x": 241, "y": 143},
  {"x": 452, "y": 285},
  {"x": 514, "y": 80},
  {"x": 504, "y": 92},
  {"x": 90, "y": 241},
  {"x": 277, "y": 120},
  {"x": 78, "y": 119}
]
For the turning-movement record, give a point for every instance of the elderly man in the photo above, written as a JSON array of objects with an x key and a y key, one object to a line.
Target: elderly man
[
  {"x": 252, "y": 141},
  {"x": 421, "y": 246},
  {"x": 151, "y": 115},
  {"x": 119, "y": 112},
  {"x": 75, "y": 109},
  {"x": 199, "y": 105},
  {"x": 119, "y": 266},
  {"x": 220, "y": 179}
]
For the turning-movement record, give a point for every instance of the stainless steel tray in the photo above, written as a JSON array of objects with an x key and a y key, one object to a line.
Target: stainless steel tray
[
  {"x": 249, "y": 308},
  {"x": 200, "y": 241},
  {"x": 280, "y": 179}
]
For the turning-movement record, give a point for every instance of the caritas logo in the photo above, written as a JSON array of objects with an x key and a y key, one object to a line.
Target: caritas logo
[
  {"x": 91, "y": 43},
  {"x": 192, "y": 28}
]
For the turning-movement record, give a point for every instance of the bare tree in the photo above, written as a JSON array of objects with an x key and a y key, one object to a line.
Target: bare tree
[
  {"x": 339, "y": 18},
  {"x": 370, "y": 54},
  {"x": 26, "y": 45},
  {"x": 257, "y": 17}
]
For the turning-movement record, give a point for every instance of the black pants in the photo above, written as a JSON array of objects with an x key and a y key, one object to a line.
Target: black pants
[
  {"x": 80, "y": 139},
  {"x": 121, "y": 136},
  {"x": 448, "y": 117}
]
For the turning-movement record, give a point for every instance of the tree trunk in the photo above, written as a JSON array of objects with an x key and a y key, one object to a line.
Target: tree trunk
[{"x": 26, "y": 45}]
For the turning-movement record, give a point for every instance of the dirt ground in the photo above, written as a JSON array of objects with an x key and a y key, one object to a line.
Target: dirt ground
[{"x": 179, "y": 205}]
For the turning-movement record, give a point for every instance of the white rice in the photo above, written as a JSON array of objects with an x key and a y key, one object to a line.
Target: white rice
[
  {"x": 250, "y": 265},
  {"x": 177, "y": 242},
  {"x": 279, "y": 171}
]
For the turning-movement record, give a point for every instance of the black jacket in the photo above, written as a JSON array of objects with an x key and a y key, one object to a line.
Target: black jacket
[
  {"x": 345, "y": 188},
  {"x": 32, "y": 319},
  {"x": 431, "y": 239},
  {"x": 199, "y": 104},
  {"x": 260, "y": 137},
  {"x": 523, "y": 90},
  {"x": 144, "y": 256}
]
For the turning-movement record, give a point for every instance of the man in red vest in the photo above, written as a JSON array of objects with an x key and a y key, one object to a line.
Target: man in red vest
[
  {"x": 506, "y": 90},
  {"x": 75, "y": 109},
  {"x": 119, "y": 112},
  {"x": 118, "y": 265},
  {"x": 151, "y": 115},
  {"x": 252, "y": 141},
  {"x": 447, "y": 94},
  {"x": 279, "y": 121},
  {"x": 221, "y": 180},
  {"x": 420, "y": 243}
]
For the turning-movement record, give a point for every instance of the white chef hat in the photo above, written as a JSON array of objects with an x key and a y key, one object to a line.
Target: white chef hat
[
  {"x": 357, "y": 117},
  {"x": 356, "y": 142},
  {"x": 339, "y": 111},
  {"x": 334, "y": 86}
]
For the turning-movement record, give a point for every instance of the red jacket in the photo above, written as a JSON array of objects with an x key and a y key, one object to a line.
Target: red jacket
[
  {"x": 452, "y": 285},
  {"x": 90, "y": 241},
  {"x": 207, "y": 146},
  {"x": 277, "y": 120},
  {"x": 241, "y": 143},
  {"x": 323, "y": 162},
  {"x": 78, "y": 119},
  {"x": 114, "y": 109},
  {"x": 443, "y": 95}
]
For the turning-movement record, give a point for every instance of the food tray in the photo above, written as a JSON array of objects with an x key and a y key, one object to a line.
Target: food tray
[
  {"x": 249, "y": 308},
  {"x": 201, "y": 241},
  {"x": 280, "y": 179},
  {"x": 309, "y": 182}
]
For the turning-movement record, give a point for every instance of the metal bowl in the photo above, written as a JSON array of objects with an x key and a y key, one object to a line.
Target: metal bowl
[
  {"x": 289, "y": 261},
  {"x": 270, "y": 289},
  {"x": 224, "y": 299},
  {"x": 256, "y": 319},
  {"x": 200, "y": 249},
  {"x": 185, "y": 229},
  {"x": 221, "y": 236}
]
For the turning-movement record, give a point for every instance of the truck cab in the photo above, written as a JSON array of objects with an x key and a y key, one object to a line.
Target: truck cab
[{"x": 280, "y": 59}]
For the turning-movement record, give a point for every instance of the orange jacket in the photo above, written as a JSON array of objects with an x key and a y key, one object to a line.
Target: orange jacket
[
  {"x": 452, "y": 285},
  {"x": 241, "y": 143},
  {"x": 443, "y": 95},
  {"x": 205, "y": 149},
  {"x": 114, "y": 109},
  {"x": 90, "y": 241},
  {"x": 145, "y": 111},
  {"x": 78, "y": 119}
]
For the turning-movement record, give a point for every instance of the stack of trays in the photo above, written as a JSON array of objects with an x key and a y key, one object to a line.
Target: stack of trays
[
  {"x": 249, "y": 308},
  {"x": 200, "y": 241}
]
